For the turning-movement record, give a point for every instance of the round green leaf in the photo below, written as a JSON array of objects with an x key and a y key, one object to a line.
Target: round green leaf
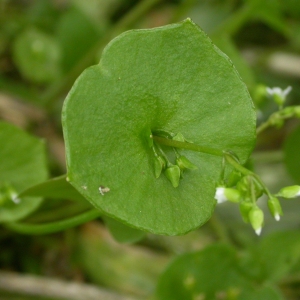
[
  {"x": 22, "y": 164},
  {"x": 37, "y": 55},
  {"x": 171, "y": 78}
]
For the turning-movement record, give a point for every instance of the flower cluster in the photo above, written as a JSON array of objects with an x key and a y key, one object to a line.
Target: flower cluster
[
  {"x": 161, "y": 163},
  {"x": 246, "y": 191}
]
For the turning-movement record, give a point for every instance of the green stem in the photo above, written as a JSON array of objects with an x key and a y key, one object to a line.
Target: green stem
[
  {"x": 262, "y": 127},
  {"x": 63, "y": 211},
  {"x": 162, "y": 153},
  {"x": 245, "y": 171},
  {"x": 252, "y": 191},
  {"x": 35, "y": 229},
  {"x": 188, "y": 146},
  {"x": 281, "y": 115},
  {"x": 62, "y": 85}
]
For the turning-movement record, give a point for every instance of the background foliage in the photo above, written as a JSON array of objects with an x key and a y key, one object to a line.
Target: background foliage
[{"x": 44, "y": 47}]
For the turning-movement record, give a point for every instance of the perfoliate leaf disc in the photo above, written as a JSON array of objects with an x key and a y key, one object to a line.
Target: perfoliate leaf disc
[{"x": 171, "y": 78}]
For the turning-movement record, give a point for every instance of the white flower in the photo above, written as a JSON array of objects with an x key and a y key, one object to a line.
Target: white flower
[
  {"x": 278, "y": 91},
  {"x": 220, "y": 195},
  {"x": 277, "y": 217}
]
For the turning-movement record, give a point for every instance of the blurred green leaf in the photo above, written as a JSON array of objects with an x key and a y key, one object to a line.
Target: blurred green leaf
[
  {"x": 125, "y": 268},
  {"x": 269, "y": 11},
  {"x": 274, "y": 257},
  {"x": 57, "y": 187},
  {"x": 210, "y": 274},
  {"x": 282, "y": 248},
  {"x": 76, "y": 35},
  {"x": 37, "y": 56},
  {"x": 291, "y": 7},
  {"x": 292, "y": 154},
  {"x": 22, "y": 164},
  {"x": 123, "y": 233}
]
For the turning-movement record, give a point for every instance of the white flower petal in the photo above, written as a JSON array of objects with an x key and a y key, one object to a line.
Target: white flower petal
[
  {"x": 278, "y": 91},
  {"x": 277, "y": 217},
  {"x": 286, "y": 91},
  {"x": 220, "y": 195},
  {"x": 258, "y": 231}
]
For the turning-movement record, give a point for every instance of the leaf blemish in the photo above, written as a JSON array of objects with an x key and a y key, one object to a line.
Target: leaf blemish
[{"x": 103, "y": 190}]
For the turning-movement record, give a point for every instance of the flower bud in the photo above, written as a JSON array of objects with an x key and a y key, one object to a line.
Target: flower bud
[
  {"x": 183, "y": 163},
  {"x": 227, "y": 194},
  {"x": 297, "y": 111},
  {"x": 173, "y": 174},
  {"x": 275, "y": 208},
  {"x": 289, "y": 191},
  {"x": 179, "y": 137},
  {"x": 7, "y": 194},
  {"x": 256, "y": 218},
  {"x": 259, "y": 93},
  {"x": 233, "y": 178},
  {"x": 159, "y": 165},
  {"x": 233, "y": 195},
  {"x": 245, "y": 207}
]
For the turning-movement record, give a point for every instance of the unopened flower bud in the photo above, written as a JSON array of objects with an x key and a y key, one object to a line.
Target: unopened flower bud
[
  {"x": 227, "y": 194},
  {"x": 259, "y": 93},
  {"x": 297, "y": 111},
  {"x": 7, "y": 194},
  {"x": 173, "y": 174},
  {"x": 256, "y": 218},
  {"x": 233, "y": 178},
  {"x": 245, "y": 207},
  {"x": 179, "y": 137},
  {"x": 159, "y": 165},
  {"x": 233, "y": 195},
  {"x": 184, "y": 163},
  {"x": 289, "y": 191},
  {"x": 275, "y": 208}
]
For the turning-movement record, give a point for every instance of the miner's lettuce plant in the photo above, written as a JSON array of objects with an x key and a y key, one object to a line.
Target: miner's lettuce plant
[{"x": 156, "y": 135}]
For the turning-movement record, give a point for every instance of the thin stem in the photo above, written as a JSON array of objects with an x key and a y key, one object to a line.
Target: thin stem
[
  {"x": 54, "y": 226},
  {"x": 162, "y": 153},
  {"x": 236, "y": 165},
  {"x": 262, "y": 127},
  {"x": 279, "y": 116},
  {"x": 252, "y": 191},
  {"x": 188, "y": 146},
  {"x": 245, "y": 171}
]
